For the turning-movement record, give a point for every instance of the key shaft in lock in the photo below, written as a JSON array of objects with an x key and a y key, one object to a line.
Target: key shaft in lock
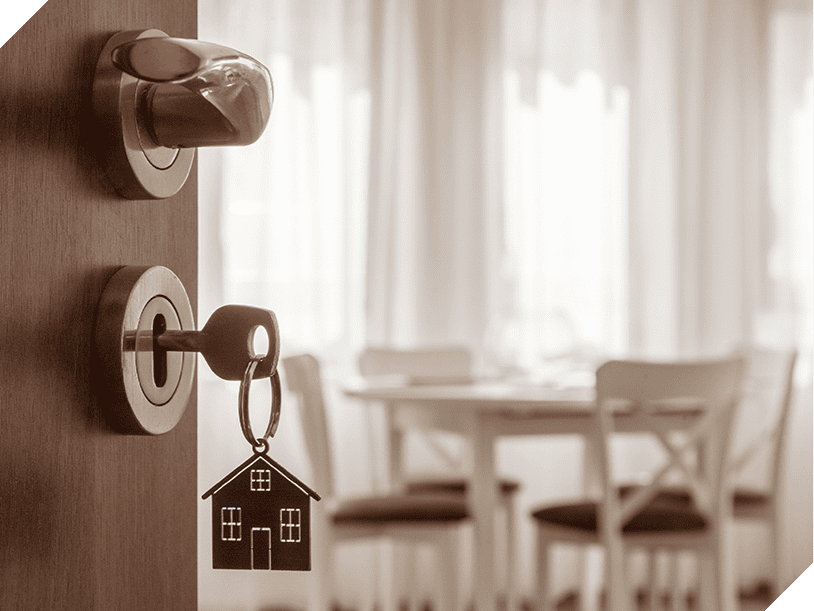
[
  {"x": 171, "y": 340},
  {"x": 180, "y": 341},
  {"x": 226, "y": 341}
]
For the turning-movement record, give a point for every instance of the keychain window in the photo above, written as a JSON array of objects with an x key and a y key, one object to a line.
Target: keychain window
[
  {"x": 231, "y": 527},
  {"x": 260, "y": 480},
  {"x": 290, "y": 526}
]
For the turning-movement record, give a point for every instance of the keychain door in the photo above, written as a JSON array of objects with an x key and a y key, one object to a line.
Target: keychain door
[{"x": 261, "y": 548}]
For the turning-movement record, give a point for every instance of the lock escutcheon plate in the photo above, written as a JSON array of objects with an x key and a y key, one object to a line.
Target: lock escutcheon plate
[{"x": 134, "y": 400}]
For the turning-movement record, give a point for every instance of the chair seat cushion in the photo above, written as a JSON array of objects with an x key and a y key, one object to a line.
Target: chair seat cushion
[
  {"x": 674, "y": 495},
  {"x": 455, "y": 485},
  {"x": 403, "y": 508},
  {"x": 748, "y": 499},
  {"x": 671, "y": 510},
  {"x": 655, "y": 517},
  {"x": 743, "y": 498}
]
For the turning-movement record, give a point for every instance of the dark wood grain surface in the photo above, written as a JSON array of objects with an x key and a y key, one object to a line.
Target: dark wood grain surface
[{"x": 89, "y": 519}]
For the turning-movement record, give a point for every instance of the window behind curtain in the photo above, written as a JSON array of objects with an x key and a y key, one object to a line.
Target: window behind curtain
[{"x": 566, "y": 210}]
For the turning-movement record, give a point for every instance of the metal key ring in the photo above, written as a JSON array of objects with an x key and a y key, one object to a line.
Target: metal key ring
[{"x": 243, "y": 406}]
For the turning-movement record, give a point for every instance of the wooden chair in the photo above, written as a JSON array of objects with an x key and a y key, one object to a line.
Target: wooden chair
[
  {"x": 755, "y": 464},
  {"x": 767, "y": 400},
  {"x": 444, "y": 365},
  {"x": 689, "y": 407},
  {"x": 412, "y": 518}
]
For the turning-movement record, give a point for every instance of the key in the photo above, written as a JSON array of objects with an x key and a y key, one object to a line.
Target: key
[{"x": 226, "y": 341}]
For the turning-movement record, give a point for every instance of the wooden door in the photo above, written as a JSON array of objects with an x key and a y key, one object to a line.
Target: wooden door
[{"x": 89, "y": 519}]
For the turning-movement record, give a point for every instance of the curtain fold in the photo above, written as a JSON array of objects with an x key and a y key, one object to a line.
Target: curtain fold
[
  {"x": 567, "y": 76},
  {"x": 698, "y": 143},
  {"x": 282, "y": 225},
  {"x": 432, "y": 198}
]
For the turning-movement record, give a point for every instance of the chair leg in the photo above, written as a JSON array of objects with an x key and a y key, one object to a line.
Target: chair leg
[
  {"x": 707, "y": 582},
  {"x": 776, "y": 532},
  {"x": 322, "y": 563},
  {"x": 618, "y": 598},
  {"x": 716, "y": 579},
  {"x": 449, "y": 561},
  {"x": 511, "y": 553},
  {"x": 406, "y": 570},
  {"x": 726, "y": 565},
  {"x": 586, "y": 600},
  {"x": 590, "y": 567},
  {"x": 652, "y": 582},
  {"x": 389, "y": 582},
  {"x": 678, "y": 597},
  {"x": 543, "y": 594}
]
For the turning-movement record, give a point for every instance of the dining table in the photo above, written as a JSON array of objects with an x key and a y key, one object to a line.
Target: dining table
[{"x": 485, "y": 411}]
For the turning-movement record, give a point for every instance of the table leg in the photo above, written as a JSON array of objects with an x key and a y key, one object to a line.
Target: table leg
[
  {"x": 591, "y": 475},
  {"x": 482, "y": 505},
  {"x": 589, "y": 570},
  {"x": 395, "y": 451}
]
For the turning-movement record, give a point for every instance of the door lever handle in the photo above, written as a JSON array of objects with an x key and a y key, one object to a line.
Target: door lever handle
[
  {"x": 157, "y": 98},
  {"x": 203, "y": 94}
]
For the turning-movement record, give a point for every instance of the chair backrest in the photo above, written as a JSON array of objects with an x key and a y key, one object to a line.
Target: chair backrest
[
  {"x": 649, "y": 393},
  {"x": 446, "y": 362},
  {"x": 761, "y": 428},
  {"x": 303, "y": 377}
]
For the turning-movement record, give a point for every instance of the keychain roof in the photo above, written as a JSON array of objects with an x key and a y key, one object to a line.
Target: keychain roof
[{"x": 272, "y": 463}]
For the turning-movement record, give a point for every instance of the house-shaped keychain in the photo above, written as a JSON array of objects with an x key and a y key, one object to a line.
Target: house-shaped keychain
[{"x": 261, "y": 518}]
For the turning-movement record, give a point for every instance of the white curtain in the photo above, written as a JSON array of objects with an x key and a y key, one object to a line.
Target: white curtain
[
  {"x": 698, "y": 161},
  {"x": 371, "y": 209},
  {"x": 636, "y": 174},
  {"x": 531, "y": 177}
]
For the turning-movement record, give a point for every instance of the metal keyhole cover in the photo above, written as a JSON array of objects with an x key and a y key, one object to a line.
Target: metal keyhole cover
[{"x": 135, "y": 402}]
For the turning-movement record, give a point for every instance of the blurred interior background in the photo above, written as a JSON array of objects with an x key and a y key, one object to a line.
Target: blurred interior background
[{"x": 549, "y": 182}]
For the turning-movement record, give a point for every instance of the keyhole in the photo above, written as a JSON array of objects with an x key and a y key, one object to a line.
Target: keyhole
[{"x": 159, "y": 353}]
